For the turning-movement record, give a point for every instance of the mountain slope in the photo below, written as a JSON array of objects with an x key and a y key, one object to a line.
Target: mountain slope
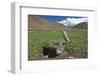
[
  {"x": 83, "y": 25},
  {"x": 36, "y": 23}
]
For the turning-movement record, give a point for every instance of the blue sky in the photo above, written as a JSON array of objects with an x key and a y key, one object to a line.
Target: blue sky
[{"x": 57, "y": 18}]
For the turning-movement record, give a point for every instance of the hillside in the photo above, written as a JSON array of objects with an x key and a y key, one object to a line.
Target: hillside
[
  {"x": 83, "y": 25},
  {"x": 36, "y": 23}
]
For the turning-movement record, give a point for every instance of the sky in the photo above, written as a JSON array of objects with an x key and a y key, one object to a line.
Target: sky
[{"x": 58, "y": 18}]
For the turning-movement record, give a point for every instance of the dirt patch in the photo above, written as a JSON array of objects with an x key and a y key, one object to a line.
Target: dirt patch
[{"x": 64, "y": 55}]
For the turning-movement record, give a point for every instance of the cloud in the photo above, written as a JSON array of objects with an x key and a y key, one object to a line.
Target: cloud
[{"x": 73, "y": 21}]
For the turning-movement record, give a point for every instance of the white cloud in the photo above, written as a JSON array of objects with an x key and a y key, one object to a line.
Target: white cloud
[{"x": 73, "y": 21}]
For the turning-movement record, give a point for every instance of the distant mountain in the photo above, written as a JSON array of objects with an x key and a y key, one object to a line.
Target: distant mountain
[
  {"x": 36, "y": 23},
  {"x": 70, "y": 22},
  {"x": 83, "y": 25}
]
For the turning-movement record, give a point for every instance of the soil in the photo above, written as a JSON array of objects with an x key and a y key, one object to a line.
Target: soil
[{"x": 65, "y": 55}]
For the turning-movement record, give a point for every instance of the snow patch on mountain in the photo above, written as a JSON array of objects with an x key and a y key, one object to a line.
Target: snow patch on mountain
[{"x": 72, "y": 21}]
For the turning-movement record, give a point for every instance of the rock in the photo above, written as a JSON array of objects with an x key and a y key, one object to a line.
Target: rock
[{"x": 70, "y": 57}]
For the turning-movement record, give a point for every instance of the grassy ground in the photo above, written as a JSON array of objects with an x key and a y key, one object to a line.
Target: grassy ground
[{"x": 77, "y": 47}]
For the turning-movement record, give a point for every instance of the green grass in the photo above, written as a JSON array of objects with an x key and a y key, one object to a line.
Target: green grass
[
  {"x": 36, "y": 40},
  {"x": 79, "y": 41}
]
